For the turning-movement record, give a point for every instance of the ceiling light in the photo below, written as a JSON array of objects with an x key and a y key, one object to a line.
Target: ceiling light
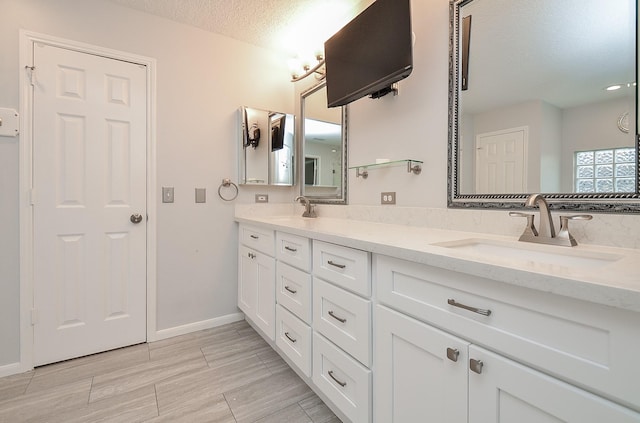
[{"x": 613, "y": 87}]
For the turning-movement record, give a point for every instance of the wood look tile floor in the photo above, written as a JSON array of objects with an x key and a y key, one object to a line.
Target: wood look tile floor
[{"x": 227, "y": 374}]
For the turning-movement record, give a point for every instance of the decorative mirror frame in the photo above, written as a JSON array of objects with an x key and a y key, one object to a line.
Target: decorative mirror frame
[
  {"x": 319, "y": 199},
  {"x": 593, "y": 202}
]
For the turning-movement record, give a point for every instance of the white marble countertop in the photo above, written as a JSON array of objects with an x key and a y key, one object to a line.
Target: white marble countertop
[{"x": 615, "y": 283}]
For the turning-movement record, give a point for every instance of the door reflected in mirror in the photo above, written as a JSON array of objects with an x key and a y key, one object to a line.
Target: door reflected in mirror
[
  {"x": 266, "y": 147},
  {"x": 323, "y": 148},
  {"x": 543, "y": 99}
]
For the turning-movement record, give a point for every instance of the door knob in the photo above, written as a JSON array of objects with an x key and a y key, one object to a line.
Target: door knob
[{"x": 136, "y": 218}]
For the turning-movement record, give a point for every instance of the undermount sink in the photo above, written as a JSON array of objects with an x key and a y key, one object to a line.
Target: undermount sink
[{"x": 532, "y": 253}]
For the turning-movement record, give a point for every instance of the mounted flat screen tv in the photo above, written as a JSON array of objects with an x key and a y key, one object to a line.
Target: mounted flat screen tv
[{"x": 370, "y": 53}]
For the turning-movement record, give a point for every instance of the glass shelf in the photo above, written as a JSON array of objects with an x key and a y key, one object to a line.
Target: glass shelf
[{"x": 413, "y": 166}]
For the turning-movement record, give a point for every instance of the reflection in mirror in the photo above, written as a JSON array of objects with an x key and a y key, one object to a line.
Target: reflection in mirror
[
  {"x": 529, "y": 106},
  {"x": 323, "y": 148},
  {"x": 266, "y": 147}
]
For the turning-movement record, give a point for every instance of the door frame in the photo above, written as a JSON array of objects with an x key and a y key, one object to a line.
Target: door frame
[{"x": 27, "y": 42}]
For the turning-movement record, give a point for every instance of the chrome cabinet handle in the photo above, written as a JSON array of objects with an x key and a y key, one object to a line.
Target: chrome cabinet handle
[
  {"x": 340, "y": 266},
  {"x": 136, "y": 218},
  {"x": 254, "y": 236},
  {"x": 290, "y": 338},
  {"x": 454, "y": 303},
  {"x": 340, "y": 319},
  {"x": 476, "y": 365},
  {"x": 452, "y": 354},
  {"x": 343, "y": 384},
  {"x": 251, "y": 255},
  {"x": 293, "y": 291},
  {"x": 293, "y": 250}
]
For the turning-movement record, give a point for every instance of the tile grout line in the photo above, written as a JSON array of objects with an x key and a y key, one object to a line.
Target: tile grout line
[
  {"x": 155, "y": 391},
  {"x": 224, "y": 395}
]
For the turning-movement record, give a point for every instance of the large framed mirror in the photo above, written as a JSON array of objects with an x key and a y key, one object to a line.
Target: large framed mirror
[
  {"x": 543, "y": 99},
  {"x": 266, "y": 147},
  {"x": 323, "y": 149}
]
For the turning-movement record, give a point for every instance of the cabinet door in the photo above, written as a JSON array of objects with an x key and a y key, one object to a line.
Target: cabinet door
[
  {"x": 246, "y": 281},
  {"x": 256, "y": 289},
  {"x": 421, "y": 372},
  {"x": 505, "y": 391}
]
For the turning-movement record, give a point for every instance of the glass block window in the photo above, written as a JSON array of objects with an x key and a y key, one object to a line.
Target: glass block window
[{"x": 612, "y": 170}]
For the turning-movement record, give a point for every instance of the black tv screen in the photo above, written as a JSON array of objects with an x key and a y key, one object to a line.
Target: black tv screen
[
  {"x": 277, "y": 132},
  {"x": 370, "y": 53}
]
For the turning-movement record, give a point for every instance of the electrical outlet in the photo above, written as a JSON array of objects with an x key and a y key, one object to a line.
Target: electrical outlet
[
  {"x": 387, "y": 197},
  {"x": 262, "y": 198}
]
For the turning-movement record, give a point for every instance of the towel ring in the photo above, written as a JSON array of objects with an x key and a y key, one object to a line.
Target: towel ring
[{"x": 226, "y": 182}]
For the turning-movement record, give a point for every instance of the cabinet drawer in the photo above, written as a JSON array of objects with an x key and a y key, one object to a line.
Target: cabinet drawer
[
  {"x": 589, "y": 345},
  {"x": 258, "y": 238},
  {"x": 342, "y": 379},
  {"x": 293, "y": 337},
  {"x": 294, "y": 250},
  {"x": 343, "y": 266},
  {"x": 293, "y": 290},
  {"x": 344, "y": 318}
]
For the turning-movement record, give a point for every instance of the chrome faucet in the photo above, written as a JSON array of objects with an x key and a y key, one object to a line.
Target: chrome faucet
[
  {"x": 546, "y": 223},
  {"x": 308, "y": 207},
  {"x": 547, "y": 233}
]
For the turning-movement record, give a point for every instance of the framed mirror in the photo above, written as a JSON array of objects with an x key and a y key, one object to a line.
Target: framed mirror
[
  {"x": 542, "y": 99},
  {"x": 266, "y": 148},
  {"x": 323, "y": 150}
]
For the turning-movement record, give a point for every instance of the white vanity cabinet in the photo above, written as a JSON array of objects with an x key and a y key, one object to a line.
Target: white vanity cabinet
[
  {"x": 293, "y": 295},
  {"x": 342, "y": 326},
  {"x": 421, "y": 372},
  {"x": 256, "y": 277},
  {"x": 512, "y": 354}
]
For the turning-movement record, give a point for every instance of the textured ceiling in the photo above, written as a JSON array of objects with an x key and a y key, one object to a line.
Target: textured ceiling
[{"x": 288, "y": 26}]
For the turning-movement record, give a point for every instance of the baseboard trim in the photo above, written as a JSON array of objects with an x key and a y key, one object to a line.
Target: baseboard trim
[
  {"x": 196, "y": 326},
  {"x": 11, "y": 369}
]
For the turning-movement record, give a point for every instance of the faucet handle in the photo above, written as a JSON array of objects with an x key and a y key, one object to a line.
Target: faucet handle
[
  {"x": 564, "y": 227},
  {"x": 576, "y": 217},
  {"x": 530, "y": 230}
]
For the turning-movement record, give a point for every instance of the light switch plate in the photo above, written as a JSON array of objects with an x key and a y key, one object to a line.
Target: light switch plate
[
  {"x": 262, "y": 198},
  {"x": 167, "y": 194},
  {"x": 201, "y": 195}
]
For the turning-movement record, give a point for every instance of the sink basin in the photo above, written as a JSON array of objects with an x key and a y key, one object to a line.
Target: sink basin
[{"x": 532, "y": 253}]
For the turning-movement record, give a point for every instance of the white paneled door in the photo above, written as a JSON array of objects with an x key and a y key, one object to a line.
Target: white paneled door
[
  {"x": 89, "y": 203},
  {"x": 500, "y": 165}
]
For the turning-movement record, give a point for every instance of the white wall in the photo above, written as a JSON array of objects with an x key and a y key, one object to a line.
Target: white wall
[
  {"x": 412, "y": 125},
  {"x": 202, "y": 79}
]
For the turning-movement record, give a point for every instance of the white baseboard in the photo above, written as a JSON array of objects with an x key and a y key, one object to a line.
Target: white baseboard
[
  {"x": 196, "y": 326},
  {"x": 11, "y": 369}
]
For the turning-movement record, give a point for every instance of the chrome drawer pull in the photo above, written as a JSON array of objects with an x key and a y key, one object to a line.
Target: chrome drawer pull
[
  {"x": 476, "y": 365},
  {"x": 254, "y": 236},
  {"x": 293, "y": 250},
  {"x": 290, "y": 338},
  {"x": 293, "y": 291},
  {"x": 452, "y": 354},
  {"x": 343, "y": 384},
  {"x": 340, "y": 319},
  {"x": 484, "y": 312},
  {"x": 340, "y": 266}
]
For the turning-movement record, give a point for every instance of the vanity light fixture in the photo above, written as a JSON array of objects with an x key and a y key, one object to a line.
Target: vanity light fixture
[{"x": 301, "y": 72}]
